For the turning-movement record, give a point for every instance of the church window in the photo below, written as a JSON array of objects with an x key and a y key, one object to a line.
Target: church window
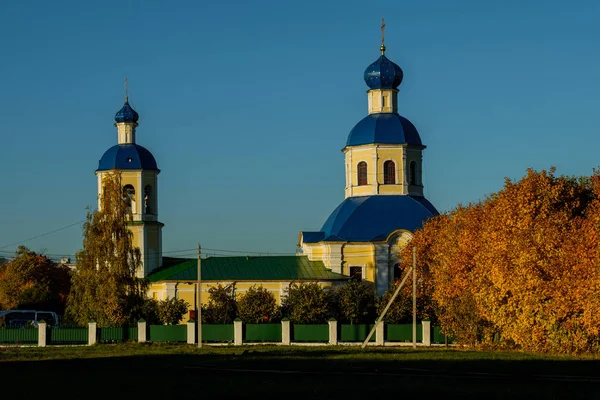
[
  {"x": 356, "y": 273},
  {"x": 389, "y": 173},
  {"x": 397, "y": 271},
  {"x": 148, "y": 199},
  {"x": 362, "y": 173},
  {"x": 413, "y": 173},
  {"x": 129, "y": 198}
]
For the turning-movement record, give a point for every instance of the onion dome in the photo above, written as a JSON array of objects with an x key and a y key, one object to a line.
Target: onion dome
[
  {"x": 383, "y": 74},
  {"x": 126, "y": 113},
  {"x": 384, "y": 128},
  {"x": 127, "y": 156}
]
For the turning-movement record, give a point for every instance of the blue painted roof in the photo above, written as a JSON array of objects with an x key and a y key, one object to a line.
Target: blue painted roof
[
  {"x": 127, "y": 156},
  {"x": 383, "y": 74},
  {"x": 371, "y": 218},
  {"x": 126, "y": 114},
  {"x": 389, "y": 128}
]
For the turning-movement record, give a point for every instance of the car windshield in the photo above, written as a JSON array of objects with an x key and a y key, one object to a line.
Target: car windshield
[{"x": 22, "y": 316}]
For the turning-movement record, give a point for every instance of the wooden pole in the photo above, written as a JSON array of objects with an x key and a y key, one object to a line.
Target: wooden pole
[
  {"x": 199, "y": 299},
  {"x": 386, "y": 308},
  {"x": 414, "y": 276}
]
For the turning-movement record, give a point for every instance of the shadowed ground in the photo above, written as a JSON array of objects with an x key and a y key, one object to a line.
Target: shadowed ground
[{"x": 160, "y": 370}]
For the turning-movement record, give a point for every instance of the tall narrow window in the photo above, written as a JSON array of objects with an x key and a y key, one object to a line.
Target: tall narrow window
[
  {"x": 362, "y": 173},
  {"x": 356, "y": 273},
  {"x": 385, "y": 101},
  {"x": 148, "y": 199},
  {"x": 129, "y": 198},
  {"x": 397, "y": 271},
  {"x": 413, "y": 173},
  {"x": 389, "y": 172}
]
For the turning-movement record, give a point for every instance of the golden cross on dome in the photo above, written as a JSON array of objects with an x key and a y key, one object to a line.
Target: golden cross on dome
[{"x": 382, "y": 48}]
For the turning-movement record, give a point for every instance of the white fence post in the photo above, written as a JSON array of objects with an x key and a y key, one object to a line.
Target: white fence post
[
  {"x": 285, "y": 332},
  {"x": 191, "y": 331},
  {"x": 332, "y": 332},
  {"x": 141, "y": 331},
  {"x": 92, "y": 332},
  {"x": 42, "y": 334},
  {"x": 237, "y": 332},
  {"x": 380, "y": 334},
  {"x": 426, "y": 333}
]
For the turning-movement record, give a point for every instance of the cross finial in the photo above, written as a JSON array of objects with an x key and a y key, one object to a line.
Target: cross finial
[
  {"x": 382, "y": 48},
  {"x": 126, "y": 89}
]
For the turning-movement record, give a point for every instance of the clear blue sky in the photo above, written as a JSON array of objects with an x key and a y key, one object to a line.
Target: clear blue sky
[{"x": 493, "y": 88}]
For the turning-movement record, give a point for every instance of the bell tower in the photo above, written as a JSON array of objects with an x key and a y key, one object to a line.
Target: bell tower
[{"x": 139, "y": 177}]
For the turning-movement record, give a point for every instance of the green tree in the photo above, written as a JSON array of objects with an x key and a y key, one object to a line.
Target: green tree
[
  {"x": 257, "y": 305},
  {"x": 171, "y": 311},
  {"x": 400, "y": 310},
  {"x": 307, "y": 303},
  {"x": 105, "y": 287},
  {"x": 357, "y": 302},
  {"x": 222, "y": 307},
  {"x": 33, "y": 281}
]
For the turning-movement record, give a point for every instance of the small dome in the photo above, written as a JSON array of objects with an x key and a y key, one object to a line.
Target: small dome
[
  {"x": 383, "y": 74},
  {"x": 385, "y": 128},
  {"x": 127, "y": 156},
  {"x": 126, "y": 114},
  {"x": 371, "y": 218}
]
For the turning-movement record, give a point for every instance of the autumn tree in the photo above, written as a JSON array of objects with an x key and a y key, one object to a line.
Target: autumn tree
[
  {"x": 257, "y": 305},
  {"x": 33, "y": 281},
  {"x": 105, "y": 287}
]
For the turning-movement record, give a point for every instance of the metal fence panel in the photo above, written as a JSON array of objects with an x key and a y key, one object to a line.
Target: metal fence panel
[
  {"x": 168, "y": 333},
  {"x": 402, "y": 332},
  {"x": 263, "y": 332},
  {"x": 217, "y": 332},
  {"x": 18, "y": 335},
  {"x": 356, "y": 333},
  {"x": 310, "y": 333},
  {"x": 64, "y": 335}
]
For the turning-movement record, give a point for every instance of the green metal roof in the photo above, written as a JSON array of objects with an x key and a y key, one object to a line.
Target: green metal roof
[{"x": 265, "y": 268}]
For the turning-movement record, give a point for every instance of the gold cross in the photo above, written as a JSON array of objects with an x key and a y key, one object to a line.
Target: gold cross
[
  {"x": 382, "y": 30},
  {"x": 126, "y": 89}
]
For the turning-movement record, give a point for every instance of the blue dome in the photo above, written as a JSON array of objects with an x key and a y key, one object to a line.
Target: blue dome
[
  {"x": 127, "y": 156},
  {"x": 126, "y": 114},
  {"x": 383, "y": 74},
  {"x": 371, "y": 218},
  {"x": 385, "y": 128}
]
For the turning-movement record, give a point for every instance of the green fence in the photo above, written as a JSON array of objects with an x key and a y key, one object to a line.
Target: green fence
[
  {"x": 262, "y": 332},
  {"x": 18, "y": 335},
  {"x": 439, "y": 337},
  {"x": 310, "y": 333},
  {"x": 217, "y": 332},
  {"x": 66, "y": 335},
  {"x": 168, "y": 333},
  {"x": 356, "y": 333},
  {"x": 117, "y": 334},
  {"x": 402, "y": 332}
]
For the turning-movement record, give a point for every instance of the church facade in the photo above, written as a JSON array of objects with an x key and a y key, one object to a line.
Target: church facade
[
  {"x": 384, "y": 201},
  {"x": 361, "y": 239}
]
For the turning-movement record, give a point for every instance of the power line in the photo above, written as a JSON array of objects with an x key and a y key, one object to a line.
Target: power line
[{"x": 43, "y": 234}]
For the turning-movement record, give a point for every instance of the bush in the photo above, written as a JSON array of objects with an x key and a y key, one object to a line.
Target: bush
[
  {"x": 222, "y": 307},
  {"x": 401, "y": 309},
  {"x": 257, "y": 306},
  {"x": 356, "y": 302},
  {"x": 307, "y": 303},
  {"x": 172, "y": 310}
]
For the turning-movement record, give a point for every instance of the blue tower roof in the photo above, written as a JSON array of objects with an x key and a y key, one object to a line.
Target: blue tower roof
[
  {"x": 127, "y": 156},
  {"x": 372, "y": 218},
  {"x": 383, "y": 74},
  {"x": 386, "y": 128},
  {"x": 126, "y": 114}
]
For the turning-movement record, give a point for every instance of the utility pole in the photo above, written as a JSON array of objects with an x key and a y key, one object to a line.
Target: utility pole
[
  {"x": 414, "y": 276},
  {"x": 199, "y": 300}
]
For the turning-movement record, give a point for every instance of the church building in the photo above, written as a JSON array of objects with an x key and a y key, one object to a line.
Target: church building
[{"x": 384, "y": 200}]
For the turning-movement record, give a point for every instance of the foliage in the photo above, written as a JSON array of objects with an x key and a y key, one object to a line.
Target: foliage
[
  {"x": 400, "y": 310},
  {"x": 33, "y": 281},
  {"x": 105, "y": 287},
  {"x": 307, "y": 303},
  {"x": 257, "y": 305},
  {"x": 221, "y": 307},
  {"x": 356, "y": 302},
  {"x": 171, "y": 311},
  {"x": 521, "y": 265}
]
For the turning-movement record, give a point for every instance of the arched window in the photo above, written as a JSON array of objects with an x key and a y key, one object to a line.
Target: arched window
[
  {"x": 389, "y": 173},
  {"x": 397, "y": 271},
  {"x": 148, "y": 199},
  {"x": 129, "y": 198},
  {"x": 362, "y": 173},
  {"x": 413, "y": 173}
]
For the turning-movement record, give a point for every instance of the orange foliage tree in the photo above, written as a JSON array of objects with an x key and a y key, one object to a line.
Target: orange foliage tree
[{"x": 521, "y": 267}]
